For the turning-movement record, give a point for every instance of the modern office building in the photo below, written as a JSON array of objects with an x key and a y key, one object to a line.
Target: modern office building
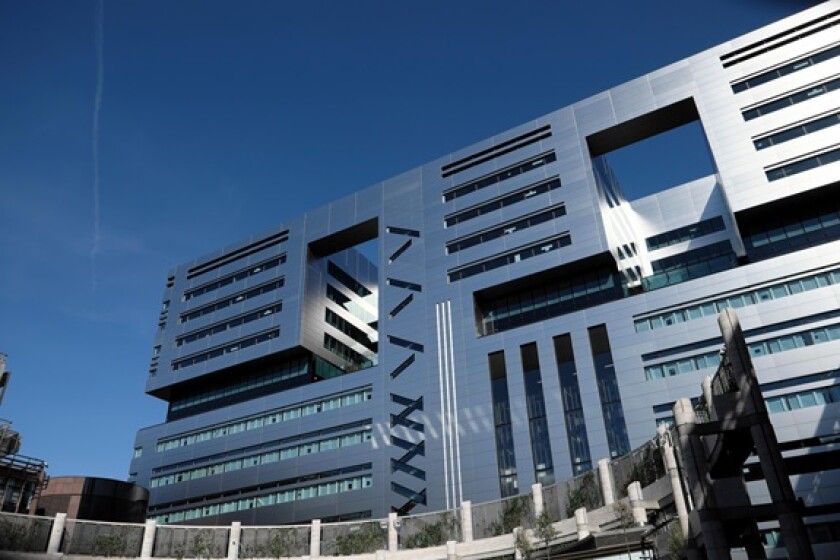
[{"x": 518, "y": 317}]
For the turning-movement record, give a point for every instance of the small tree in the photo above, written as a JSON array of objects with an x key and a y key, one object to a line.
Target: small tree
[
  {"x": 522, "y": 544},
  {"x": 545, "y": 531},
  {"x": 624, "y": 515},
  {"x": 676, "y": 543}
]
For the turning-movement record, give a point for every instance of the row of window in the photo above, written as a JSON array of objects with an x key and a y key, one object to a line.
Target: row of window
[
  {"x": 794, "y": 341},
  {"x": 274, "y": 417},
  {"x": 252, "y": 270},
  {"x": 756, "y": 349},
  {"x": 351, "y": 283},
  {"x": 506, "y": 228},
  {"x": 498, "y": 176},
  {"x": 812, "y": 162},
  {"x": 274, "y": 498},
  {"x": 786, "y": 69},
  {"x": 231, "y": 452},
  {"x": 517, "y": 255},
  {"x": 235, "y": 298},
  {"x": 712, "y": 308},
  {"x": 690, "y": 265},
  {"x": 229, "y": 324},
  {"x": 335, "y": 295},
  {"x": 354, "y": 332},
  {"x": 283, "y": 454},
  {"x": 274, "y": 374},
  {"x": 786, "y": 37},
  {"x": 241, "y": 253},
  {"x": 692, "y": 256},
  {"x": 496, "y": 151},
  {"x": 229, "y": 348},
  {"x": 550, "y": 300},
  {"x": 502, "y": 202},
  {"x": 356, "y": 360},
  {"x": 803, "y": 399},
  {"x": 793, "y": 99},
  {"x": 685, "y": 233},
  {"x": 797, "y": 225},
  {"x": 683, "y": 365},
  {"x": 796, "y": 131}
]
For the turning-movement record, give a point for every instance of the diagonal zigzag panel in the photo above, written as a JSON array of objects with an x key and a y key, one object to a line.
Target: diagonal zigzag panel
[{"x": 401, "y": 419}]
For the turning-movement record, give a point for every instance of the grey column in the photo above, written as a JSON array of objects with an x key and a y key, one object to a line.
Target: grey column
[
  {"x": 764, "y": 437},
  {"x": 676, "y": 483},
  {"x": 714, "y": 536}
]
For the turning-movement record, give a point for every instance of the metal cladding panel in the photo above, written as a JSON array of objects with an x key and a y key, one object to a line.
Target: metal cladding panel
[{"x": 431, "y": 411}]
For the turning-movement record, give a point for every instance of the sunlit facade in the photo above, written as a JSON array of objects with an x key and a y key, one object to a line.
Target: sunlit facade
[{"x": 504, "y": 315}]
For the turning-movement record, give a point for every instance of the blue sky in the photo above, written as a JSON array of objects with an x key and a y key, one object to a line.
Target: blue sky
[{"x": 217, "y": 120}]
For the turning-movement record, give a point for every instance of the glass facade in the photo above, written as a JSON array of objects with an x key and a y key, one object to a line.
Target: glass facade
[
  {"x": 572, "y": 405},
  {"x": 608, "y": 391},
  {"x": 505, "y": 453},
  {"x": 537, "y": 424}
]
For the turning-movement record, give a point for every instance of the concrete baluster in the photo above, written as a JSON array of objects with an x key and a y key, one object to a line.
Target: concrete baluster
[
  {"x": 148, "y": 546},
  {"x": 537, "y": 494},
  {"x": 466, "y": 521},
  {"x": 315, "y": 539},
  {"x": 606, "y": 481},
  {"x": 54, "y": 546},
  {"x": 233, "y": 540},
  {"x": 582, "y": 523}
]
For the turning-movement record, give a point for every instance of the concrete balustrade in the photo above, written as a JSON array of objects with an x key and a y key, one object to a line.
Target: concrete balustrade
[{"x": 583, "y": 524}]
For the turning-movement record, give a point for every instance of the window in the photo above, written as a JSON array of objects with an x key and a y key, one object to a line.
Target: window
[
  {"x": 519, "y": 254},
  {"x": 685, "y": 233},
  {"x": 786, "y": 69},
  {"x": 506, "y": 229},
  {"x": 498, "y": 203},
  {"x": 228, "y": 348},
  {"x": 498, "y": 176},
  {"x": 285, "y": 415},
  {"x": 802, "y": 165},
  {"x": 238, "y": 276},
  {"x": 236, "y": 298},
  {"x": 791, "y": 99}
]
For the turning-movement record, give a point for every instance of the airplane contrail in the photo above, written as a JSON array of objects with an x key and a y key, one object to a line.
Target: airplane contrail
[{"x": 97, "y": 104}]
